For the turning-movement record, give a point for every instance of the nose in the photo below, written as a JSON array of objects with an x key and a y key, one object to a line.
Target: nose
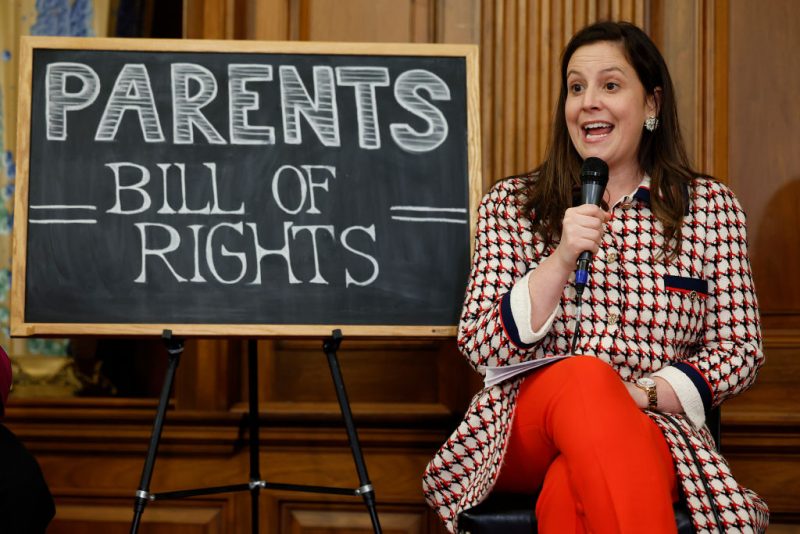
[{"x": 591, "y": 98}]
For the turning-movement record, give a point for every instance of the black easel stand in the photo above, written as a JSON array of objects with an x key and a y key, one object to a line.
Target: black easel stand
[
  {"x": 256, "y": 484},
  {"x": 174, "y": 349}
]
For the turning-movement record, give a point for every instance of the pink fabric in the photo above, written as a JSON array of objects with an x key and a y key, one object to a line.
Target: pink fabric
[{"x": 5, "y": 379}]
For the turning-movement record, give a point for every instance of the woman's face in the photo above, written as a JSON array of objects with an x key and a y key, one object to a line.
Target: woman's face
[{"x": 606, "y": 105}]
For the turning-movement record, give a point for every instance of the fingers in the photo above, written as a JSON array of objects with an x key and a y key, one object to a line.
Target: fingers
[
  {"x": 590, "y": 210},
  {"x": 638, "y": 396},
  {"x": 582, "y": 229}
]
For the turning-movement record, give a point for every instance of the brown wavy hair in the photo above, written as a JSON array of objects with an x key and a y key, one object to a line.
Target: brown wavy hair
[{"x": 548, "y": 189}]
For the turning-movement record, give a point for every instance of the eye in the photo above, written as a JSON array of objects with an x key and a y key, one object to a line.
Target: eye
[
  {"x": 612, "y": 86},
  {"x": 575, "y": 88}
]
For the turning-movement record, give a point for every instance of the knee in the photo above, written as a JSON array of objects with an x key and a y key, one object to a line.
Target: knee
[
  {"x": 576, "y": 376},
  {"x": 573, "y": 370},
  {"x": 588, "y": 366},
  {"x": 589, "y": 373}
]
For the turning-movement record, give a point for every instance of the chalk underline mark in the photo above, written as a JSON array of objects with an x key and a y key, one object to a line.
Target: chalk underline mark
[
  {"x": 427, "y": 208},
  {"x": 428, "y": 219},
  {"x": 62, "y": 207},
  {"x": 62, "y": 221},
  {"x": 428, "y": 214}
]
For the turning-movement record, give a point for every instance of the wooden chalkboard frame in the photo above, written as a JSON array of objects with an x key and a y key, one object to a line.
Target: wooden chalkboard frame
[{"x": 18, "y": 325}]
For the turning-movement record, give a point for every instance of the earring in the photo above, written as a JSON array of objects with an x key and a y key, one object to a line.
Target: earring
[{"x": 651, "y": 123}]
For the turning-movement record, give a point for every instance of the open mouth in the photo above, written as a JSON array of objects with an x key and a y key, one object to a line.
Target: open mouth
[{"x": 596, "y": 129}]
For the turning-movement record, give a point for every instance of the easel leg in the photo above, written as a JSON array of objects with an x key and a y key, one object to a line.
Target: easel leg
[
  {"x": 255, "y": 472},
  {"x": 330, "y": 346},
  {"x": 174, "y": 350}
]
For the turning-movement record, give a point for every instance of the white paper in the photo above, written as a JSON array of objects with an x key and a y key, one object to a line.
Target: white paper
[{"x": 495, "y": 375}]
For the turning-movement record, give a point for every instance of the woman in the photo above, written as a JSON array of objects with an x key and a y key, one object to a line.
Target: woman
[{"x": 669, "y": 325}]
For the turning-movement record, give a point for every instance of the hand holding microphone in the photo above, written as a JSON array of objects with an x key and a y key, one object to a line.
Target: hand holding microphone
[{"x": 583, "y": 225}]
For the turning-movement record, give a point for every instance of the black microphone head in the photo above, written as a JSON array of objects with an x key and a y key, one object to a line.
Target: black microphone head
[
  {"x": 594, "y": 169},
  {"x": 594, "y": 177}
]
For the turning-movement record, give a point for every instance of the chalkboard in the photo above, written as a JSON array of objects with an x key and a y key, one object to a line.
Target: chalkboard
[{"x": 239, "y": 188}]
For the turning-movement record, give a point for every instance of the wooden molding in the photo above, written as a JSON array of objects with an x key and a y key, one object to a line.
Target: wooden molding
[
  {"x": 113, "y": 515},
  {"x": 113, "y": 426}
]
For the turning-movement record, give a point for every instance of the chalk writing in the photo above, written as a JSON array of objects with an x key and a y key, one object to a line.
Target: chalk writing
[{"x": 132, "y": 92}]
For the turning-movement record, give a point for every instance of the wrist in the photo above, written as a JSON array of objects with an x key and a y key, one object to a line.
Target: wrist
[
  {"x": 649, "y": 387},
  {"x": 565, "y": 265},
  {"x": 668, "y": 400}
]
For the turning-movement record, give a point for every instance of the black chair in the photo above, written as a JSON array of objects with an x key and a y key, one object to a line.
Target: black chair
[{"x": 509, "y": 513}]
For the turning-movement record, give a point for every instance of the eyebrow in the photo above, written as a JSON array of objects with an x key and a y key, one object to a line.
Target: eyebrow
[{"x": 604, "y": 71}]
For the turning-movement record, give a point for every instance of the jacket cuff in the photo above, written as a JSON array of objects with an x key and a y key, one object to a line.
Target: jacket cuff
[
  {"x": 686, "y": 389},
  {"x": 515, "y": 313}
]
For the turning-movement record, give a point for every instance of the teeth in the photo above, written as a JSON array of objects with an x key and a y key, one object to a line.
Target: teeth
[{"x": 596, "y": 125}]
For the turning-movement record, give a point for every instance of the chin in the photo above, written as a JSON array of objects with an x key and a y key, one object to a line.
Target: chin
[{"x": 593, "y": 154}]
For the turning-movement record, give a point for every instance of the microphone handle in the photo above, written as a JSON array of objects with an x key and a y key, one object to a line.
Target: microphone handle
[{"x": 582, "y": 272}]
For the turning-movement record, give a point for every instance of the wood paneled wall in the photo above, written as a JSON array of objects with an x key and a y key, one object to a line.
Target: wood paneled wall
[
  {"x": 763, "y": 142},
  {"x": 735, "y": 69},
  {"x": 521, "y": 44},
  {"x": 762, "y": 168}
]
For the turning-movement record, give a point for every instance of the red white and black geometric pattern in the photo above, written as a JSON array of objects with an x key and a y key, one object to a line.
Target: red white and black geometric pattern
[{"x": 696, "y": 314}]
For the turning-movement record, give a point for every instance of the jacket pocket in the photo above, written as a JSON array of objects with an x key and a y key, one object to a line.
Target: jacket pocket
[
  {"x": 693, "y": 287},
  {"x": 683, "y": 307}
]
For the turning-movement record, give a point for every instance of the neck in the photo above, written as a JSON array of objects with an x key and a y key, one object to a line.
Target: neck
[{"x": 622, "y": 181}]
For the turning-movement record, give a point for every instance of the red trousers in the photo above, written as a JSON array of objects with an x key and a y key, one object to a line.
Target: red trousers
[{"x": 602, "y": 464}]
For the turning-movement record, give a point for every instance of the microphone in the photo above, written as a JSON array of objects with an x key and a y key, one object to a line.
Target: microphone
[{"x": 594, "y": 177}]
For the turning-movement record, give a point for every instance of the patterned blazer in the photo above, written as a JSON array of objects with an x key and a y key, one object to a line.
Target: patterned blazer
[{"x": 693, "y": 321}]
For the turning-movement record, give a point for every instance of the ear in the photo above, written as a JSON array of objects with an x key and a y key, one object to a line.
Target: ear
[{"x": 653, "y": 102}]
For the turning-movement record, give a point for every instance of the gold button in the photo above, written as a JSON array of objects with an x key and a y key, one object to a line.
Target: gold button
[
  {"x": 612, "y": 257},
  {"x": 626, "y": 205},
  {"x": 613, "y": 318},
  {"x": 693, "y": 295}
]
